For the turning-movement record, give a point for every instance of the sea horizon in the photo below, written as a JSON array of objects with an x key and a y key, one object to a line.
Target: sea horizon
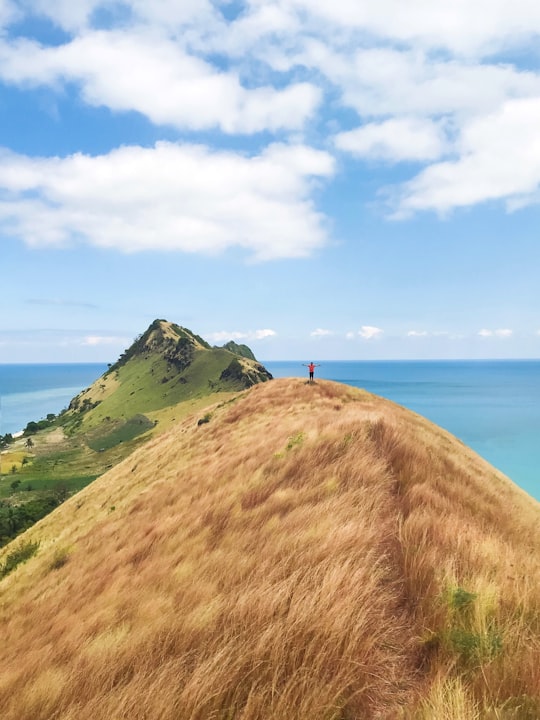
[
  {"x": 30, "y": 391},
  {"x": 492, "y": 405}
]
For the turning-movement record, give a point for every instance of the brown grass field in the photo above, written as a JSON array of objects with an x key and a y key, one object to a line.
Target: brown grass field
[{"x": 312, "y": 552}]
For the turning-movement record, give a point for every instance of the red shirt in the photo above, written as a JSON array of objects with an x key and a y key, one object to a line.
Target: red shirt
[{"x": 311, "y": 367}]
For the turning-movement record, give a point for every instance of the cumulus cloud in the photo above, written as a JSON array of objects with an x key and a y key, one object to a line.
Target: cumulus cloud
[
  {"x": 222, "y": 336},
  {"x": 419, "y": 104},
  {"x": 408, "y": 83},
  {"x": 8, "y": 12},
  {"x": 499, "y": 159},
  {"x": 169, "y": 197},
  {"x": 321, "y": 332},
  {"x": 461, "y": 27},
  {"x": 395, "y": 140},
  {"x": 156, "y": 77},
  {"x": 40, "y": 337},
  {"x": 424, "y": 79},
  {"x": 80, "y": 15},
  {"x": 226, "y": 335},
  {"x": 500, "y": 332},
  {"x": 369, "y": 332},
  {"x": 95, "y": 340}
]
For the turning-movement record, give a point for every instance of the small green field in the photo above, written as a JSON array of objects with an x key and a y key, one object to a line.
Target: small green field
[
  {"x": 120, "y": 432},
  {"x": 29, "y": 484}
]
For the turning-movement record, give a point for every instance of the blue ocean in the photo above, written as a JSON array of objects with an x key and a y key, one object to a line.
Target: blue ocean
[
  {"x": 30, "y": 392},
  {"x": 492, "y": 406}
]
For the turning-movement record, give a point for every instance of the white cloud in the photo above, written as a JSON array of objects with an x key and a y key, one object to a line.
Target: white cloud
[
  {"x": 500, "y": 332},
  {"x": 8, "y": 12},
  {"x": 459, "y": 26},
  {"x": 368, "y": 332},
  {"x": 258, "y": 30},
  {"x": 77, "y": 16},
  {"x": 418, "y": 105},
  {"x": 424, "y": 78},
  {"x": 66, "y": 14},
  {"x": 154, "y": 76},
  {"x": 222, "y": 336},
  {"x": 396, "y": 140},
  {"x": 321, "y": 332},
  {"x": 173, "y": 13},
  {"x": 225, "y": 336},
  {"x": 384, "y": 81},
  {"x": 417, "y": 333},
  {"x": 169, "y": 197},
  {"x": 39, "y": 337},
  {"x": 499, "y": 159},
  {"x": 94, "y": 340},
  {"x": 428, "y": 102}
]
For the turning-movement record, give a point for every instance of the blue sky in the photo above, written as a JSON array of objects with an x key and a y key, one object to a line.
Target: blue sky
[{"x": 319, "y": 180}]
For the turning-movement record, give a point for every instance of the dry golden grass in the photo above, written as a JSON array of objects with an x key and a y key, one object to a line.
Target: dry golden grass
[{"x": 311, "y": 553}]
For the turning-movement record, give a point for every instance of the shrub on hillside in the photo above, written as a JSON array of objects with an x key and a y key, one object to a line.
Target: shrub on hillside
[
  {"x": 233, "y": 371},
  {"x": 19, "y": 555}
]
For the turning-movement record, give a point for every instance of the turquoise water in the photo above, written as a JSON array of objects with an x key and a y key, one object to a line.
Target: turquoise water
[
  {"x": 29, "y": 392},
  {"x": 492, "y": 406}
]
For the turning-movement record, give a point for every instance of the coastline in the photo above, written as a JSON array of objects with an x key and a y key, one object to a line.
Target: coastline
[{"x": 28, "y": 392}]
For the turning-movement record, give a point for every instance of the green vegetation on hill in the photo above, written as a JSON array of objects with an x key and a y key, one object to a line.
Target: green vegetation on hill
[
  {"x": 165, "y": 366},
  {"x": 242, "y": 350},
  {"x": 174, "y": 342},
  {"x": 109, "y": 435},
  {"x": 165, "y": 374}
]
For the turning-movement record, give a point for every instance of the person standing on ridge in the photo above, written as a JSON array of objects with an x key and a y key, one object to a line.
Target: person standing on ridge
[{"x": 311, "y": 367}]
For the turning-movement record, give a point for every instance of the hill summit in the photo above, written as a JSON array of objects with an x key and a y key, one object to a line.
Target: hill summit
[
  {"x": 165, "y": 365},
  {"x": 310, "y": 552}
]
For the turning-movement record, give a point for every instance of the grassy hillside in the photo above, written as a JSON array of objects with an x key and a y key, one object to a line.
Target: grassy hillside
[
  {"x": 166, "y": 365},
  {"x": 308, "y": 552},
  {"x": 166, "y": 374}
]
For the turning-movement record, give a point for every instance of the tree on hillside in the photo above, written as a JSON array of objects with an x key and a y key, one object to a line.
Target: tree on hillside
[
  {"x": 6, "y": 439},
  {"x": 31, "y": 428},
  {"x": 29, "y": 443}
]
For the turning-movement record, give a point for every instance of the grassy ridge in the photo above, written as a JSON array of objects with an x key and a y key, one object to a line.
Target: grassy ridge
[
  {"x": 147, "y": 384},
  {"x": 311, "y": 552},
  {"x": 154, "y": 374}
]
